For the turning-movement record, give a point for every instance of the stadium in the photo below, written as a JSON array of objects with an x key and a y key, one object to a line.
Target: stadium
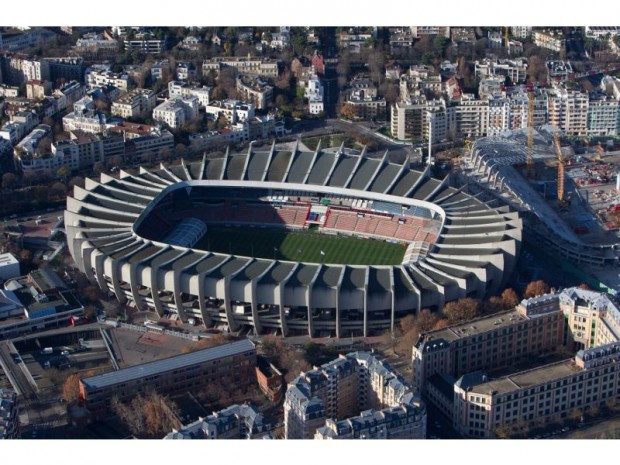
[{"x": 330, "y": 242}]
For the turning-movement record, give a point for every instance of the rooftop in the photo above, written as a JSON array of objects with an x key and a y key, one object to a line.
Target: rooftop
[{"x": 162, "y": 366}]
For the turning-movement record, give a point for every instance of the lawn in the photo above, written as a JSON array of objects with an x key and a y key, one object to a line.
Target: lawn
[{"x": 300, "y": 246}]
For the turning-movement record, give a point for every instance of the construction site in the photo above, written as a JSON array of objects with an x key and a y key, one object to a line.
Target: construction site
[{"x": 569, "y": 197}]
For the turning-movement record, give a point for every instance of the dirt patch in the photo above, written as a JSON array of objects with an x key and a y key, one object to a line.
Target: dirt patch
[{"x": 150, "y": 339}]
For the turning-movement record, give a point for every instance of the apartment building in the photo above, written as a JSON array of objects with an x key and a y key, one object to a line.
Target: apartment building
[
  {"x": 363, "y": 101},
  {"x": 139, "y": 103},
  {"x": 254, "y": 90},
  {"x": 37, "y": 90},
  {"x": 521, "y": 32},
  {"x": 68, "y": 68},
  {"x": 479, "y": 403},
  {"x": 234, "y": 422},
  {"x": 543, "y": 394},
  {"x": 603, "y": 115},
  {"x": 491, "y": 86},
  {"x": 98, "y": 78},
  {"x": 244, "y": 65},
  {"x": 549, "y": 38},
  {"x": 602, "y": 32},
  {"x": 185, "y": 71},
  {"x": 514, "y": 69},
  {"x": 145, "y": 42},
  {"x": 160, "y": 70},
  {"x": 408, "y": 118},
  {"x": 568, "y": 110},
  {"x": 315, "y": 93},
  {"x": 327, "y": 401},
  {"x": 535, "y": 327},
  {"x": 31, "y": 154},
  {"x": 18, "y": 68},
  {"x": 233, "y": 110},
  {"x": 176, "y": 112},
  {"x": 230, "y": 364},
  {"x": 85, "y": 117},
  {"x": 180, "y": 89},
  {"x": 400, "y": 422},
  {"x": 559, "y": 70},
  {"x": 471, "y": 117},
  {"x": 21, "y": 124},
  {"x": 419, "y": 31},
  {"x": 141, "y": 141},
  {"x": 9, "y": 415}
]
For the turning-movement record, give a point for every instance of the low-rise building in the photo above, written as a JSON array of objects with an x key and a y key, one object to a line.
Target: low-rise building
[
  {"x": 270, "y": 380},
  {"x": 139, "y": 103},
  {"x": 231, "y": 364},
  {"x": 234, "y": 422},
  {"x": 43, "y": 301},
  {"x": 9, "y": 266},
  {"x": 176, "y": 112},
  {"x": 160, "y": 70},
  {"x": 419, "y": 31},
  {"x": 9, "y": 415}
]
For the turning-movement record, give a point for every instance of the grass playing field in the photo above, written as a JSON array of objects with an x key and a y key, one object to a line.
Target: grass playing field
[{"x": 300, "y": 246}]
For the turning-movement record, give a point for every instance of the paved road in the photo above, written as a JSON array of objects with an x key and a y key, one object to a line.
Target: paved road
[{"x": 594, "y": 431}]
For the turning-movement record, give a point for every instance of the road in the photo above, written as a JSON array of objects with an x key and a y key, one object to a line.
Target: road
[{"x": 15, "y": 374}]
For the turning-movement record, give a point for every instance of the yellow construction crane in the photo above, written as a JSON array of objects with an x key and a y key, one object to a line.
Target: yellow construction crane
[
  {"x": 506, "y": 35},
  {"x": 558, "y": 152},
  {"x": 530, "y": 134}
]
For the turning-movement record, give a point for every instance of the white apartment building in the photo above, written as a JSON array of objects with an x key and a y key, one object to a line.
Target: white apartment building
[
  {"x": 100, "y": 78},
  {"x": 515, "y": 69},
  {"x": 180, "y": 89},
  {"x": 29, "y": 156},
  {"x": 550, "y": 39},
  {"x": 601, "y": 32},
  {"x": 521, "y": 32},
  {"x": 314, "y": 93},
  {"x": 177, "y": 111},
  {"x": 418, "y": 31},
  {"x": 471, "y": 117},
  {"x": 570, "y": 109},
  {"x": 491, "y": 86},
  {"x": 135, "y": 104},
  {"x": 244, "y": 65},
  {"x": 603, "y": 116},
  {"x": 233, "y": 110}
]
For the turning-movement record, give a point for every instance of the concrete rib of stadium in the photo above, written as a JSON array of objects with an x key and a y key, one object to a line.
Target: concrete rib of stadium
[{"x": 457, "y": 246}]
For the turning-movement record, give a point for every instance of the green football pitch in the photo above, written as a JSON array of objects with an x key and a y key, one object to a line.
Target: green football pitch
[{"x": 303, "y": 246}]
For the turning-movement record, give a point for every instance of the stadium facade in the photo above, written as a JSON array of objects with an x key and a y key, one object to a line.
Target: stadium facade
[{"x": 132, "y": 235}]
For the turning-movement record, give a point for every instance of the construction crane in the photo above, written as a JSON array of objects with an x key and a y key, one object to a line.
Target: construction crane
[
  {"x": 529, "y": 158},
  {"x": 506, "y": 37},
  {"x": 558, "y": 152}
]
